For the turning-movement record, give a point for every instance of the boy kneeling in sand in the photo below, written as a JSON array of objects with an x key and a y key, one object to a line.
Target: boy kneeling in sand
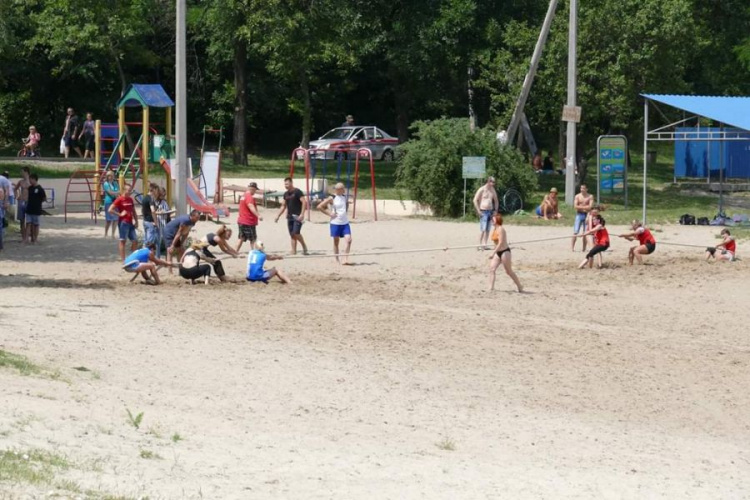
[
  {"x": 256, "y": 259},
  {"x": 143, "y": 261}
]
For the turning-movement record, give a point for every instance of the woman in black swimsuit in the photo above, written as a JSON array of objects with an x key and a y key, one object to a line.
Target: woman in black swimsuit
[
  {"x": 501, "y": 255},
  {"x": 190, "y": 264}
]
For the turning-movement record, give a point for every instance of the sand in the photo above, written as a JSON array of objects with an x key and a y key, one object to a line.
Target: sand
[{"x": 399, "y": 377}]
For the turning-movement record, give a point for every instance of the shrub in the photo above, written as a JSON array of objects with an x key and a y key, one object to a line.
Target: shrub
[{"x": 430, "y": 164}]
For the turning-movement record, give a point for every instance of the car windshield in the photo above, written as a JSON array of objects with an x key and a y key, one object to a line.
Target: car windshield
[{"x": 337, "y": 133}]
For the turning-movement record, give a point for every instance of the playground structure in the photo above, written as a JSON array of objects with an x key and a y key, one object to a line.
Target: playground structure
[
  {"x": 116, "y": 150},
  {"x": 317, "y": 169}
]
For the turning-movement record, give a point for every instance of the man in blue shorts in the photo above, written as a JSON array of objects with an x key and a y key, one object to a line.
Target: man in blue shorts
[
  {"x": 582, "y": 204},
  {"x": 486, "y": 205},
  {"x": 256, "y": 259},
  {"x": 143, "y": 261}
]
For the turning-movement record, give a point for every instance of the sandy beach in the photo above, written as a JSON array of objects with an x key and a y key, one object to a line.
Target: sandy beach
[{"x": 399, "y": 377}]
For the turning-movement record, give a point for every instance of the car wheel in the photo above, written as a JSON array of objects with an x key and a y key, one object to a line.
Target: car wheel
[{"x": 388, "y": 155}]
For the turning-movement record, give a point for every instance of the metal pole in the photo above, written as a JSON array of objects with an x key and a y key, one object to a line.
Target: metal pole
[
  {"x": 570, "y": 160},
  {"x": 721, "y": 171},
  {"x": 645, "y": 156},
  {"x": 529, "y": 80},
  {"x": 464, "y": 196},
  {"x": 181, "y": 163}
]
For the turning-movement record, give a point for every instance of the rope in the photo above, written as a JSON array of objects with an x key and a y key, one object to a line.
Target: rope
[
  {"x": 415, "y": 250},
  {"x": 681, "y": 244}
]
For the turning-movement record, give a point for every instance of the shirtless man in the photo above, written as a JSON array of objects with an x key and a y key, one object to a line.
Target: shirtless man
[
  {"x": 22, "y": 195},
  {"x": 582, "y": 204},
  {"x": 485, "y": 204}
]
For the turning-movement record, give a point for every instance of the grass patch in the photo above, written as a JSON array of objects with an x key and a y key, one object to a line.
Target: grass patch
[
  {"x": 18, "y": 362},
  {"x": 31, "y": 466},
  {"x": 48, "y": 171},
  {"x": 135, "y": 420},
  {"x": 150, "y": 455},
  {"x": 176, "y": 438},
  {"x": 446, "y": 444}
]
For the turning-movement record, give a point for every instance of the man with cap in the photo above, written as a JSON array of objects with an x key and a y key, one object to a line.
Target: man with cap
[
  {"x": 549, "y": 207},
  {"x": 248, "y": 217}
]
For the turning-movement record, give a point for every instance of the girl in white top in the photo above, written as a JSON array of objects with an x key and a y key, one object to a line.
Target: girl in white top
[{"x": 339, "y": 220}]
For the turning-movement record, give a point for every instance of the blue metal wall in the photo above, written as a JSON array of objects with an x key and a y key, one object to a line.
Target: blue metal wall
[{"x": 694, "y": 158}]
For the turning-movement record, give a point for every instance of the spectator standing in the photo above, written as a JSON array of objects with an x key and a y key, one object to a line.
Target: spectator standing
[
  {"x": 89, "y": 136},
  {"x": 295, "y": 204},
  {"x": 349, "y": 121},
  {"x": 37, "y": 196},
  {"x": 147, "y": 209},
  {"x": 72, "y": 124},
  {"x": 124, "y": 207},
  {"x": 485, "y": 204},
  {"x": 163, "y": 217},
  {"x": 111, "y": 190},
  {"x": 22, "y": 196},
  {"x": 248, "y": 218}
]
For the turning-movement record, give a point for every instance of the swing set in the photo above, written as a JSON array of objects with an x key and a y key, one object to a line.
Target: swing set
[{"x": 317, "y": 168}]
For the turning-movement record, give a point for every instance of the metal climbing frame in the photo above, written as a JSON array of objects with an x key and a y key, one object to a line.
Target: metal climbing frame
[{"x": 80, "y": 195}]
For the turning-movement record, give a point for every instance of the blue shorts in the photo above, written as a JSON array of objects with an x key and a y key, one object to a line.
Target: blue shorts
[
  {"x": 539, "y": 210},
  {"x": 294, "y": 226},
  {"x": 579, "y": 223},
  {"x": 264, "y": 279},
  {"x": 127, "y": 232},
  {"x": 484, "y": 220},
  {"x": 149, "y": 228},
  {"x": 132, "y": 267},
  {"x": 340, "y": 230},
  {"x": 21, "y": 211},
  {"x": 108, "y": 216},
  {"x": 32, "y": 220}
]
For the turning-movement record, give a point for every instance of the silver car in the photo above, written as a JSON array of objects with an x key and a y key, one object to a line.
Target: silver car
[{"x": 343, "y": 142}]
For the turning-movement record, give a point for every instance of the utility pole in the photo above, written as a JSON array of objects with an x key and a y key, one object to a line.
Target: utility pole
[
  {"x": 570, "y": 158},
  {"x": 181, "y": 164},
  {"x": 529, "y": 80}
]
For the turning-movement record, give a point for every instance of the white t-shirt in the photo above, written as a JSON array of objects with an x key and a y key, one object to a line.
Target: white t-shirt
[{"x": 339, "y": 210}]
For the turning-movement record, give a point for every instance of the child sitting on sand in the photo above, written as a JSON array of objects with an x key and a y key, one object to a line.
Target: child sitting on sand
[{"x": 726, "y": 248}]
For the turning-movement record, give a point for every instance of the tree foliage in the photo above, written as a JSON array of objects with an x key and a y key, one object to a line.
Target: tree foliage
[
  {"x": 431, "y": 164},
  {"x": 307, "y": 63}
]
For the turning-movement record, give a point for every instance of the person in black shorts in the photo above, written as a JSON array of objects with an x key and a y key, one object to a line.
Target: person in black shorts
[
  {"x": 295, "y": 204},
  {"x": 70, "y": 132}
]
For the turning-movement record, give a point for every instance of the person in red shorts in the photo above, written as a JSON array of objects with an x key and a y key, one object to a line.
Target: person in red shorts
[
  {"x": 601, "y": 243},
  {"x": 646, "y": 242},
  {"x": 726, "y": 248},
  {"x": 127, "y": 219},
  {"x": 247, "y": 221}
]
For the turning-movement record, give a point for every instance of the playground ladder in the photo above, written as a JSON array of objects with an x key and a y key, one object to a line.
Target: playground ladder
[{"x": 80, "y": 195}]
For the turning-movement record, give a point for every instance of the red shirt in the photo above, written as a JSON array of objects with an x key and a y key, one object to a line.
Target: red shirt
[
  {"x": 124, "y": 203},
  {"x": 246, "y": 217},
  {"x": 730, "y": 245},
  {"x": 645, "y": 236},
  {"x": 601, "y": 237}
]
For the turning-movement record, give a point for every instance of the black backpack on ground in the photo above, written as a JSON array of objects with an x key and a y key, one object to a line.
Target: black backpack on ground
[
  {"x": 687, "y": 220},
  {"x": 703, "y": 221}
]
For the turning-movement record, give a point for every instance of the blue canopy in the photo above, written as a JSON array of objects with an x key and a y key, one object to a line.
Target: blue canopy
[
  {"x": 733, "y": 111},
  {"x": 139, "y": 95}
]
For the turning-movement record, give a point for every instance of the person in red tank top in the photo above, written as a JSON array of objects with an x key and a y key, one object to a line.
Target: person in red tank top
[
  {"x": 726, "y": 248},
  {"x": 601, "y": 242},
  {"x": 646, "y": 242}
]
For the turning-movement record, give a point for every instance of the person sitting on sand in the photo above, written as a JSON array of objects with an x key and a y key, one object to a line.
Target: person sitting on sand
[
  {"x": 646, "y": 242},
  {"x": 143, "y": 261},
  {"x": 549, "y": 207},
  {"x": 601, "y": 242},
  {"x": 726, "y": 248},
  {"x": 190, "y": 263},
  {"x": 256, "y": 259},
  {"x": 501, "y": 255}
]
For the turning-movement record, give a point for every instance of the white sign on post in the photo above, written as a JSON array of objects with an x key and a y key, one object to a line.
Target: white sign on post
[
  {"x": 571, "y": 114},
  {"x": 474, "y": 167}
]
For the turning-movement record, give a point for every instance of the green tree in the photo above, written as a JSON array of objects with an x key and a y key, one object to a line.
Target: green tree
[{"x": 430, "y": 165}]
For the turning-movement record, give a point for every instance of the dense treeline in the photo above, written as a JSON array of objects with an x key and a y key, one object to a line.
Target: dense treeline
[{"x": 276, "y": 72}]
